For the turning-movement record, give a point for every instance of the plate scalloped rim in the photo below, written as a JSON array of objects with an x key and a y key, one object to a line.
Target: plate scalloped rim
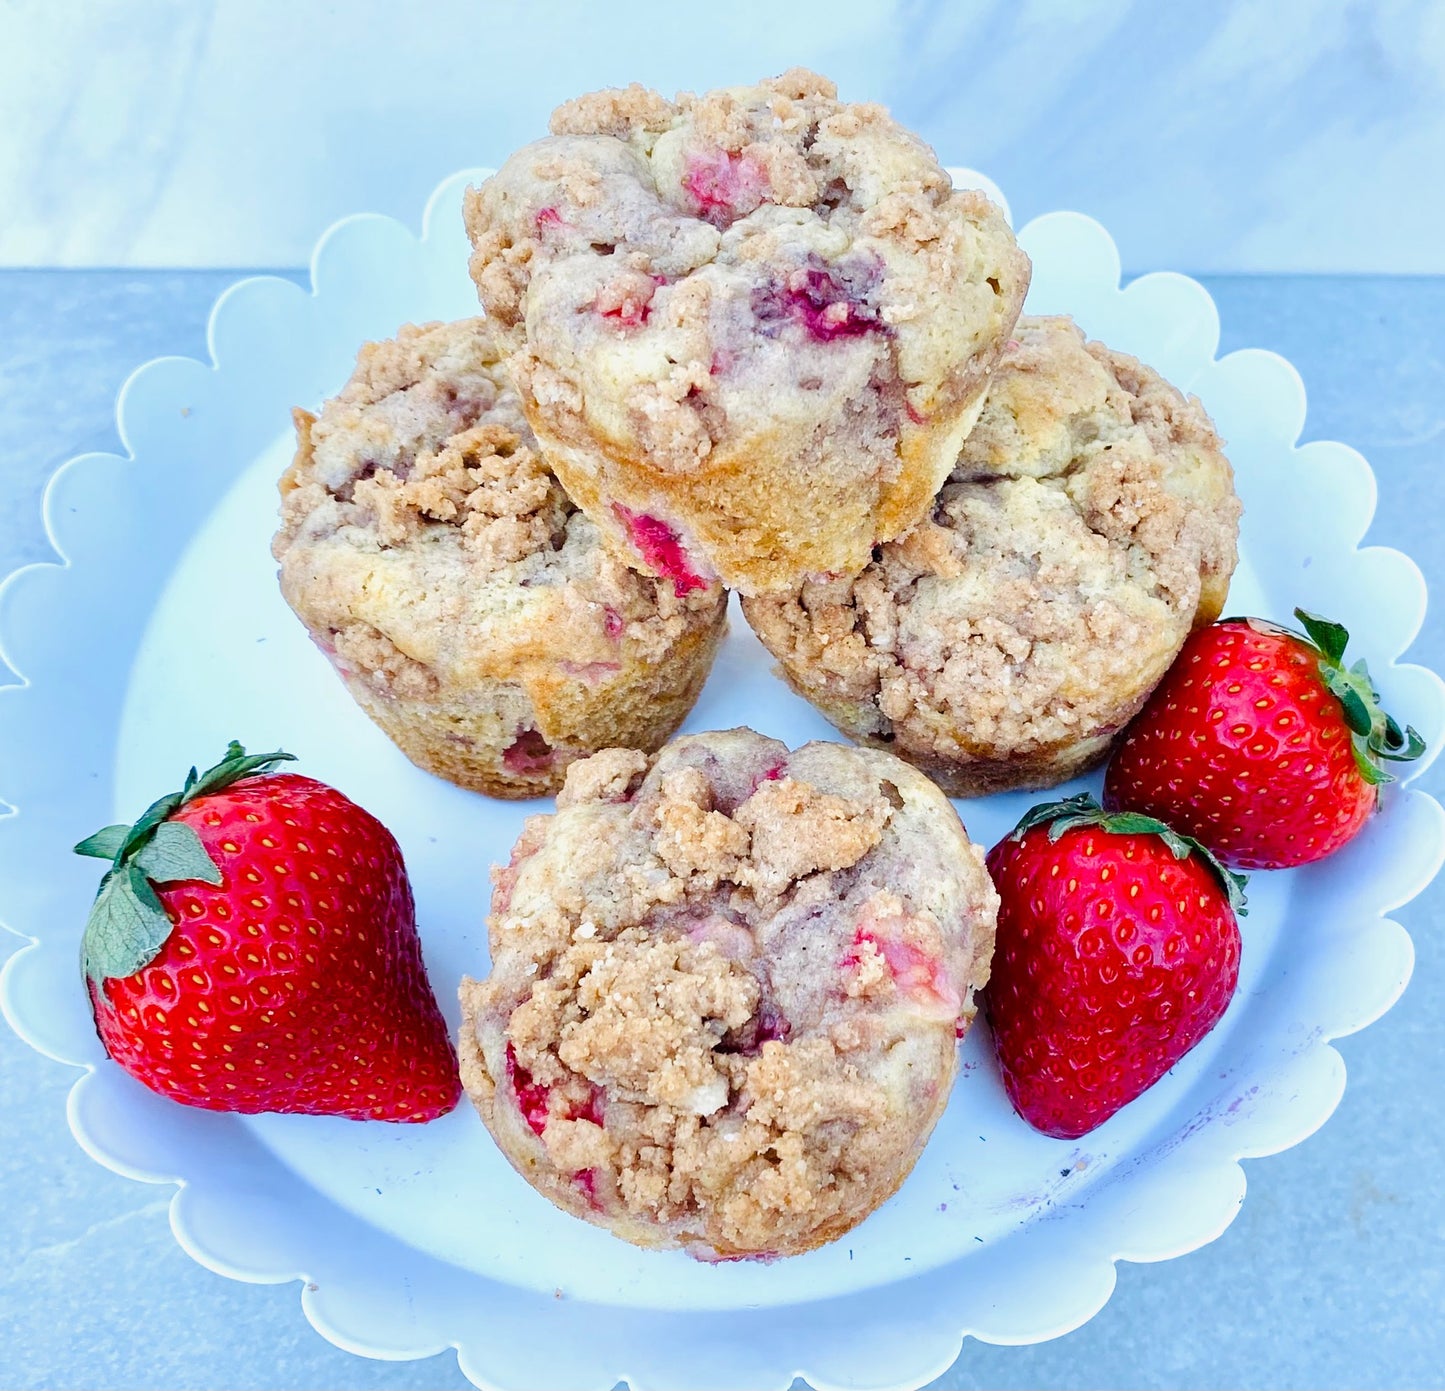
[{"x": 370, "y": 1293}]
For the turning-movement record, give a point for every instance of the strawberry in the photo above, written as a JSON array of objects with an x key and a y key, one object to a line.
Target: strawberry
[
  {"x": 253, "y": 947},
  {"x": 1117, "y": 951},
  {"x": 1261, "y": 744}
]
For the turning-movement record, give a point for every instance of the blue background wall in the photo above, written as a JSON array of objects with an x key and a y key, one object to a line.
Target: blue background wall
[{"x": 1206, "y": 134}]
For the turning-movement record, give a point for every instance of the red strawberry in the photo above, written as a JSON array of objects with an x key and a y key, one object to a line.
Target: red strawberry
[
  {"x": 1117, "y": 951},
  {"x": 253, "y": 947},
  {"x": 659, "y": 546},
  {"x": 1261, "y": 744}
]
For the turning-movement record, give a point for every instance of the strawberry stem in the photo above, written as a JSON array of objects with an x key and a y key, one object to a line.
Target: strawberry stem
[
  {"x": 1082, "y": 809},
  {"x": 128, "y": 925},
  {"x": 1376, "y": 736}
]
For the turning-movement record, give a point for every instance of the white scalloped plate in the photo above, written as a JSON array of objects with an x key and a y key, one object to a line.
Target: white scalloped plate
[{"x": 162, "y": 635}]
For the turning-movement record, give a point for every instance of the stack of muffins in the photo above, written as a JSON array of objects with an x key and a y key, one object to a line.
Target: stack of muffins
[{"x": 752, "y": 340}]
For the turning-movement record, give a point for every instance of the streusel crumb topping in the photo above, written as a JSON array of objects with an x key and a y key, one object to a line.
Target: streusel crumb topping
[
  {"x": 726, "y": 983},
  {"x": 427, "y": 434},
  {"x": 1089, "y": 523}
]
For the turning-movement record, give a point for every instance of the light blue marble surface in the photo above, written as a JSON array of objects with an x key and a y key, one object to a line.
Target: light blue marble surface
[
  {"x": 1231, "y": 135},
  {"x": 1333, "y": 1274}
]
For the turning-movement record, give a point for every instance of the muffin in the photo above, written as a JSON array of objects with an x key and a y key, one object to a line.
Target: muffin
[
  {"x": 1089, "y": 524},
  {"x": 726, "y": 987},
  {"x": 751, "y": 328},
  {"x": 471, "y": 610}
]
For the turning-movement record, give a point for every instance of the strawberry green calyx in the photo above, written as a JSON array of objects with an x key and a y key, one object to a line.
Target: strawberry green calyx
[
  {"x": 128, "y": 925},
  {"x": 1377, "y": 738},
  {"x": 1080, "y": 810}
]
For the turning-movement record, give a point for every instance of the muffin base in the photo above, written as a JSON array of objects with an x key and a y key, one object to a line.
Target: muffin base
[
  {"x": 759, "y": 529},
  {"x": 488, "y": 738},
  {"x": 518, "y": 1147},
  {"x": 1031, "y": 770}
]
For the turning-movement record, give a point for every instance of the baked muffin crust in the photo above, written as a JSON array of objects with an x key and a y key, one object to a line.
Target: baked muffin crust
[
  {"x": 469, "y": 607},
  {"x": 726, "y": 988},
  {"x": 751, "y": 327}
]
